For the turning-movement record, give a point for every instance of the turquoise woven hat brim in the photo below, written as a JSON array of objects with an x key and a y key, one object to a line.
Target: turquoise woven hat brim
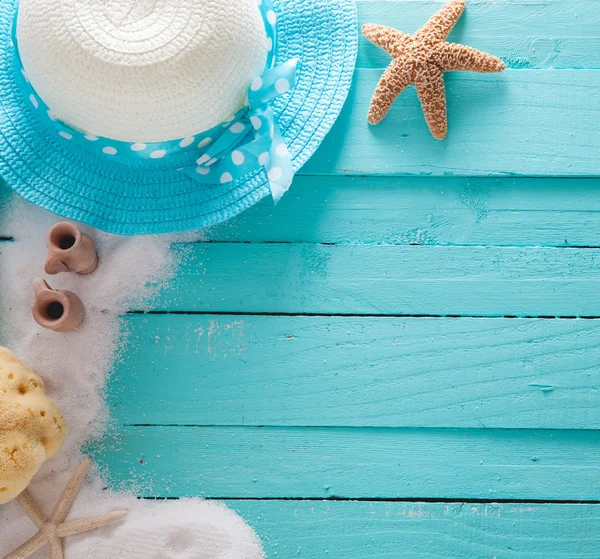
[{"x": 153, "y": 197}]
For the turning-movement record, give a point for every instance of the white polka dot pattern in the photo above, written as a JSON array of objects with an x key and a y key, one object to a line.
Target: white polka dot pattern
[
  {"x": 204, "y": 142},
  {"x": 256, "y": 122},
  {"x": 265, "y": 147},
  {"x": 187, "y": 142},
  {"x": 282, "y": 85},
  {"x": 237, "y": 128},
  {"x": 237, "y": 157},
  {"x": 275, "y": 174},
  {"x": 282, "y": 151}
]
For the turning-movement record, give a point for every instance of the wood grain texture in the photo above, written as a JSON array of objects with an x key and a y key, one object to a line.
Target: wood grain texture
[
  {"x": 234, "y": 462},
  {"x": 525, "y": 34},
  {"x": 498, "y": 125},
  {"x": 339, "y": 530},
  {"x": 420, "y": 210},
  {"x": 413, "y": 280},
  {"x": 431, "y": 211},
  {"x": 384, "y": 372}
]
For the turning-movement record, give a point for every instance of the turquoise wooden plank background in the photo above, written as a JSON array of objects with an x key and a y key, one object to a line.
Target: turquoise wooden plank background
[
  {"x": 359, "y": 372},
  {"x": 426, "y": 531},
  {"x": 402, "y": 358}
]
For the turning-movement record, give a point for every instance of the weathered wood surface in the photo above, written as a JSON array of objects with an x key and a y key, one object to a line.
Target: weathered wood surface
[
  {"x": 339, "y": 530},
  {"x": 420, "y": 210},
  {"x": 498, "y": 124},
  {"x": 430, "y": 211},
  {"x": 520, "y": 122},
  {"x": 321, "y": 462},
  {"x": 380, "y": 372},
  {"x": 548, "y": 34},
  {"x": 303, "y": 278}
]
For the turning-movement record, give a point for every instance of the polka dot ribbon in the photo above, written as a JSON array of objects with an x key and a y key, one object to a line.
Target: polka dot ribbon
[
  {"x": 249, "y": 141},
  {"x": 253, "y": 140}
]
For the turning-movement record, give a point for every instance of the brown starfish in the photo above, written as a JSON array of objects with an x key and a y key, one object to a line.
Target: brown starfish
[
  {"x": 52, "y": 530},
  {"x": 421, "y": 59}
]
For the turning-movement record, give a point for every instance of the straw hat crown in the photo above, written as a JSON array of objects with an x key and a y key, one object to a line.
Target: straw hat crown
[{"x": 142, "y": 70}]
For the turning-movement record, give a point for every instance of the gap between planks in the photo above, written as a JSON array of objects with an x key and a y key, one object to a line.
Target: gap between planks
[
  {"x": 361, "y": 315},
  {"x": 368, "y": 243},
  {"x": 416, "y": 500},
  {"x": 387, "y": 243},
  {"x": 347, "y": 427}
]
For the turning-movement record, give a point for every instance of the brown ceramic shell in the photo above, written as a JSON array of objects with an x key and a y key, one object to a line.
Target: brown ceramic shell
[
  {"x": 70, "y": 250},
  {"x": 56, "y": 310}
]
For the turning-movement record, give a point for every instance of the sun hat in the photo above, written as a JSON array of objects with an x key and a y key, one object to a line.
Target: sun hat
[{"x": 154, "y": 116}]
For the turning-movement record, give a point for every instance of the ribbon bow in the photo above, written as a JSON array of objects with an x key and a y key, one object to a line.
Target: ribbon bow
[{"x": 235, "y": 154}]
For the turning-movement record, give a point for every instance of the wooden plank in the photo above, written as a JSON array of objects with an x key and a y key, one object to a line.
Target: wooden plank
[
  {"x": 499, "y": 125},
  {"x": 525, "y": 34},
  {"x": 398, "y": 280},
  {"x": 235, "y": 462},
  {"x": 348, "y": 530},
  {"x": 422, "y": 210},
  {"x": 384, "y": 372}
]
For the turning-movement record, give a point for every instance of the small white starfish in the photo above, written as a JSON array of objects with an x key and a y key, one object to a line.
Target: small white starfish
[{"x": 52, "y": 530}]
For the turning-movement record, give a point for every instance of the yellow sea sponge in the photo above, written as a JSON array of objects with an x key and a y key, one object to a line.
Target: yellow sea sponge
[{"x": 32, "y": 428}]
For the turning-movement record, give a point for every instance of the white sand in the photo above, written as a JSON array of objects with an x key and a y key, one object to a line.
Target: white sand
[
  {"x": 182, "y": 529},
  {"x": 75, "y": 367}
]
